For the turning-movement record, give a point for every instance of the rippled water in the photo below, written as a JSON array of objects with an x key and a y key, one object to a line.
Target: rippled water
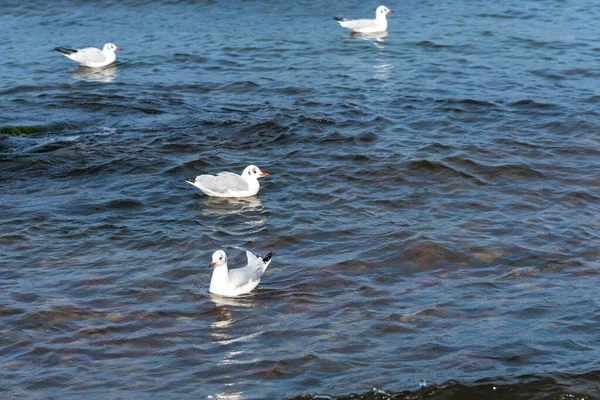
[{"x": 433, "y": 200}]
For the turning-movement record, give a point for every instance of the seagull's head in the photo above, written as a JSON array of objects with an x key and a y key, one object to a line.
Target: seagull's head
[
  {"x": 110, "y": 47},
  {"x": 252, "y": 171},
  {"x": 218, "y": 258},
  {"x": 382, "y": 11}
]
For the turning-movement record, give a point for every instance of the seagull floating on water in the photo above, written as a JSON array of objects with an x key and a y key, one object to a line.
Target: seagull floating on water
[
  {"x": 231, "y": 283},
  {"x": 91, "y": 56},
  {"x": 379, "y": 24},
  {"x": 228, "y": 184}
]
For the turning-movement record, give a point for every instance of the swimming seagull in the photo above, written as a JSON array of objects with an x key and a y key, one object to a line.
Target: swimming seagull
[
  {"x": 379, "y": 24},
  {"x": 91, "y": 56},
  {"x": 228, "y": 184},
  {"x": 235, "y": 282}
]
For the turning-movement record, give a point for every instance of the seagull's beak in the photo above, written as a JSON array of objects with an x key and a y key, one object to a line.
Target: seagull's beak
[
  {"x": 264, "y": 174},
  {"x": 118, "y": 48},
  {"x": 212, "y": 264},
  {"x": 389, "y": 12}
]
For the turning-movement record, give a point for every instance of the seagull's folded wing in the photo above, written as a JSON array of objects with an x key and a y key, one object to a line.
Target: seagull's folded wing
[
  {"x": 88, "y": 55},
  {"x": 359, "y": 24},
  {"x": 223, "y": 182},
  {"x": 250, "y": 273}
]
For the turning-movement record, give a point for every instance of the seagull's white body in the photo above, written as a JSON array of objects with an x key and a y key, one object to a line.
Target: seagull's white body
[
  {"x": 228, "y": 184},
  {"x": 91, "y": 56},
  {"x": 231, "y": 283},
  {"x": 379, "y": 24}
]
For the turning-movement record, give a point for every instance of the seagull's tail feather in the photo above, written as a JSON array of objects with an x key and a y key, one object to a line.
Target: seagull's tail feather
[
  {"x": 65, "y": 51},
  {"x": 338, "y": 19},
  {"x": 267, "y": 258}
]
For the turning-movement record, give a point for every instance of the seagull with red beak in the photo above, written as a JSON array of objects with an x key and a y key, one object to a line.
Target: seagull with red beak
[
  {"x": 234, "y": 282},
  {"x": 379, "y": 24},
  {"x": 228, "y": 184},
  {"x": 91, "y": 56}
]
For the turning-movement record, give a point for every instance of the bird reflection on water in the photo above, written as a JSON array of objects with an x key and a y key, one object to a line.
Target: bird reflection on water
[
  {"x": 106, "y": 74},
  {"x": 376, "y": 36},
  {"x": 232, "y": 205},
  {"x": 233, "y": 215}
]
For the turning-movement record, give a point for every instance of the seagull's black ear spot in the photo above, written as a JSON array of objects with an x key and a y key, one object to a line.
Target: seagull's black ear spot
[{"x": 249, "y": 173}]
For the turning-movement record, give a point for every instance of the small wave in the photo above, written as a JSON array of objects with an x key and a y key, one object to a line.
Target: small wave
[
  {"x": 266, "y": 127},
  {"x": 489, "y": 173},
  {"x": 563, "y": 386},
  {"x": 534, "y": 105},
  {"x": 20, "y": 89},
  {"x": 431, "y": 45},
  {"x": 429, "y": 255},
  {"x": 240, "y": 87},
  {"x": 425, "y": 165},
  {"x": 55, "y": 145},
  {"x": 509, "y": 15},
  {"x": 190, "y": 58},
  {"x": 123, "y": 204},
  {"x": 469, "y": 103},
  {"x": 149, "y": 110}
]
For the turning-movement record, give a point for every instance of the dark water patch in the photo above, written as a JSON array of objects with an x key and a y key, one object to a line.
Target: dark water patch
[
  {"x": 469, "y": 105},
  {"x": 123, "y": 204},
  {"x": 54, "y": 146},
  {"x": 358, "y": 158},
  {"x": 149, "y": 110},
  {"x": 303, "y": 121},
  {"x": 220, "y": 122},
  {"x": 337, "y": 137},
  {"x": 581, "y": 198},
  {"x": 94, "y": 169},
  {"x": 592, "y": 100},
  {"x": 12, "y": 239},
  {"x": 525, "y": 272},
  {"x": 435, "y": 148},
  {"x": 534, "y": 105},
  {"x": 426, "y": 44},
  {"x": 493, "y": 173},
  {"x": 428, "y": 167},
  {"x": 526, "y": 388},
  {"x": 56, "y": 315},
  {"x": 548, "y": 74},
  {"x": 190, "y": 169},
  {"x": 513, "y": 14},
  {"x": 426, "y": 255},
  {"x": 193, "y": 58},
  {"x": 294, "y": 91},
  {"x": 530, "y": 43},
  {"x": 19, "y": 89},
  {"x": 9, "y": 312},
  {"x": 587, "y": 73},
  {"x": 241, "y": 87},
  {"x": 513, "y": 172},
  {"x": 267, "y": 128}
]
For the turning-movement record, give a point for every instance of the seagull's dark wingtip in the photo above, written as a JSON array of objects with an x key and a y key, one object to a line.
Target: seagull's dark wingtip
[
  {"x": 268, "y": 257},
  {"x": 64, "y": 50},
  {"x": 338, "y": 19}
]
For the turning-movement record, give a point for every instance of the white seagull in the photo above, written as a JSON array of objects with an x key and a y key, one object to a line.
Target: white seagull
[
  {"x": 235, "y": 282},
  {"x": 91, "y": 56},
  {"x": 379, "y": 24},
  {"x": 228, "y": 184}
]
